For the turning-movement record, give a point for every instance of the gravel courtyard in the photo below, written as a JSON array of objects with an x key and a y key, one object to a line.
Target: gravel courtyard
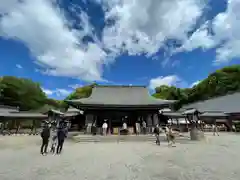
[{"x": 214, "y": 159}]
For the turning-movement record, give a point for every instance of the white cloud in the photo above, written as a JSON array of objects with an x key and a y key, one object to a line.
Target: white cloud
[
  {"x": 47, "y": 91},
  {"x": 201, "y": 38},
  {"x": 62, "y": 92},
  {"x": 225, "y": 27},
  {"x": 171, "y": 80},
  {"x": 195, "y": 83},
  {"x": 58, "y": 92},
  {"x": 74, "y": 86},
  {"x": 42, "y": 27},
  {"x": 143, "y": 26},
  {"x": 19, "y": 66},
  {"x": 140, "y": 27},
  {"x": 137, "y": 27}
]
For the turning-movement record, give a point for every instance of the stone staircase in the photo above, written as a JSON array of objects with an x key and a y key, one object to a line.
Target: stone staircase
[{"x": 120, "y": 138}]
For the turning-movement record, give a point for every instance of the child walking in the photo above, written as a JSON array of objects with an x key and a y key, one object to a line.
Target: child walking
[{"x": 54, "y": 143}]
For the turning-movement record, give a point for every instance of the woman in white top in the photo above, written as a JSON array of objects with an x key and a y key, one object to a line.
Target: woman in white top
[{"x": 104, "y": 128}]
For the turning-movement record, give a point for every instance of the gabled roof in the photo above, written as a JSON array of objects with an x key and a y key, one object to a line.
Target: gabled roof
[
  {"x": 120, "y": 96},
  {"x": 228, "y": 104},
  {"x": 71, "y": 111}
]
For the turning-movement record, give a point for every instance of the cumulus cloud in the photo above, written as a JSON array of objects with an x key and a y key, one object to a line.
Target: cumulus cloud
[
  {"x": 138, "y": 27},
  {"x": 131, "y": 26},
  {"x": 143, "y": 26},
  {"x": 201, "y": 38},
  {"x": 171, "y": 80},
  {"x": 58, "y": 48},
  {"x": 57, "y": 92},
  {"x": 225, "y": 27}
]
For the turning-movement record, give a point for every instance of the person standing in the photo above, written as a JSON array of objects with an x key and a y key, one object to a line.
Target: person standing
[
  {"x": 144, "y": 125},
  {"x": 171, "y": 137},
  {"x": 157, "y": 132},
  {"x": 54, "y": 143},
  {"x": 61, "y": 135},
  {"x": 215, "y": 129},
  {"x": 137, "y": 126},
  {"x": 104, "y": 128},
  {"x": 234, "y": 128},
  {"x": 45, "y": 134}
]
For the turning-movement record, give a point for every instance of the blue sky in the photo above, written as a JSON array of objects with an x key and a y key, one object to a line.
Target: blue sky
[{"x": 67, "y": 44}]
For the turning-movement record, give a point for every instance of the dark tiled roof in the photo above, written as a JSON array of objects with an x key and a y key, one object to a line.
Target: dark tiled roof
[
  {"x": 213, "y": 114},
  {"x": 190, "y": 111},
  {"x": 229, "y": 104},
  {"x": 120, "y": 95},
  {"x": 173, "y": 114}
]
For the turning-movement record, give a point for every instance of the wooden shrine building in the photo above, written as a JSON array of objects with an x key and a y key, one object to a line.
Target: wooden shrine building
[{"x": 118, "y": 104}]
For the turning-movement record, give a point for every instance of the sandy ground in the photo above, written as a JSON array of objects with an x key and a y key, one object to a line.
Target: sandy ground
[{"x": 214, "y": 159}]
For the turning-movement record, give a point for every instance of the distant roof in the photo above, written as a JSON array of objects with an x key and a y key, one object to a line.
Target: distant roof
[
  {"x": 120, "y": 96},
  {"x": 54, "y": 111},
  {"x": 72, "y": 112},
  {"x": 213, "y": 114},
  {"x": 228, "y": 104},
  {"x": 23, "y": 115},
  {"x": 5, "y": 108}
]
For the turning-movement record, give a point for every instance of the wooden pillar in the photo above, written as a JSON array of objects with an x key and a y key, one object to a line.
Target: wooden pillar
[
  {"x": 155, "y": 119},
  {"x": 110, "y": 126},
  {"x": 186, "y": 120},
  {"x": 3, "y": 125},
  {"x": 33, "y": 130},
  {"x": 149, "y": 120},
  {"x": 18, "y": 126},
  {"x": 178, "y": 125}
]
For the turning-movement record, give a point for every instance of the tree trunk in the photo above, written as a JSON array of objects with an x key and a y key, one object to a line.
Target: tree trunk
[{"x": 196, "y": 134}]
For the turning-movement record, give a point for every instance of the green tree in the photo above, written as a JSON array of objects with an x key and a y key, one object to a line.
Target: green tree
[
  {"x": 221, "y": 82},
  {"x": 82, "y": 92},
  {"x": 21, "y": 92}
]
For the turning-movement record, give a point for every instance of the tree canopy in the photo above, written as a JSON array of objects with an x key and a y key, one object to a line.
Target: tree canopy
[
  {"x": 81, "y": 92},
  {"x": 25, "y": 94},
  {"x": 22, "y": 93},
  {"x": 28, "y": 95},
  {"x": 221, "y": 82}
]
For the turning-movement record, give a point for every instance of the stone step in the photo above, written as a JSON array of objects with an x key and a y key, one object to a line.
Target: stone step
[{"x": 112, "y": 138}]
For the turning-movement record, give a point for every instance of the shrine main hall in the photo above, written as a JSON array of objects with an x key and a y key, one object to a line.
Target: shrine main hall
[{"x": 118, "y": 104}]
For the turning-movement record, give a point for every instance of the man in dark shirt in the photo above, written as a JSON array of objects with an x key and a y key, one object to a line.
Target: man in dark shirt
[
  {"x": 61, "y": 135},
  {"x": 157, "y": 132},
  {"x": 45, "y": 134}
]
